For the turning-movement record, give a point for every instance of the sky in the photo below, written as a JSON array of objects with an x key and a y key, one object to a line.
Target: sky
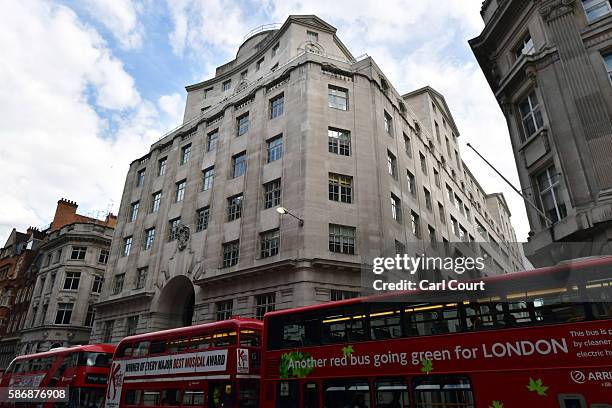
[{"x": 86, "y": 86}]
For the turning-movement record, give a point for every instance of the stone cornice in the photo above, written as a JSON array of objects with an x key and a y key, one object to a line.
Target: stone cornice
[{"x": 552, "y": 9}]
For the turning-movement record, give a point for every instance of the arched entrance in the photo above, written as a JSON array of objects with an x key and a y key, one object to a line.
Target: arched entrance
[{"x": 176, "y": 301}]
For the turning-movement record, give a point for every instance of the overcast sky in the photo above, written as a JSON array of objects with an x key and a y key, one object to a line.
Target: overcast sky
[{"x": 86, "y": 86}]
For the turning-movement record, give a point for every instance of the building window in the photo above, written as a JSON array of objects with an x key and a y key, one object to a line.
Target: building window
[
  {"x": 118, "y": 283},
  {"x": 388, "y": 124},
  {"x": 90, "y": 316},
  {"x": 450, "y": 194},
  {"x": 312, "y": 36},
  {"x": 531, "y": 115},
  {"x": 231, "y": 253},
  {"x": 107, "y": 331},
  {"x": 411, "y": 183},
  {"x": 275, "y": 49},
  {"x": 180, "y": 191},
  {"x": 428, "y": 202},
  {"x": 202, "y": 216},
  {"x": 339, "y": 141},
  {"x": 275, "y": 148},
  {"x": 272, "y": 194},
  {"x": 131, "y": 324},
  {"x": 259, "y": 64},
  {"x": 415, "y": 223},
  {"x": 400, "y": 248},
  {"x": 396, "y": 208},
  {"x": 608, "y": 63},
  {"x": 337, "y": 295},
  {"x": 140, "y": 178},
  {"x": 243, "y": 124},
  {"x": 208, "y": 178},
  {"x": 155, "y": 201},
  {"x": 455, "y": 226},
  {"x": 64, "y": 313},
  {"x": 407, "y": 145},
  {"x": 276, "y": 106},
  {"x": 337, "y": 98},
  {"x": 548, "y": 188},
  {"x": 423, "y": 163},
  {"x": 525, "y": 47},
  {"x": 432, "y": 234},
  {"x": 212, "y": 139},
  {"x": 98, "y": 281},
  {"x": 269, "y": 243},
  {"x": 72, "y": 280},
  {"x": 185, "y": 153},
  {"x": 207, "y": 92},
  {"x": 342, "y": 239},
  {"x": 134, "y": 211},
  {"x": 238, "y": 164},
  {"x": 437, "y": 178},
  {"x": 161, "y": 166},
  {"x": 127, "y": 246},
  {"x": 141, "y": 277},
  {"x": 274, "y": 67},
  {"x": 234, "y": 207},
  {"x": 103, "y": 257},
  {"x": 244, "y": 74},
  {"x": 263, "y": 304},
  {"x": 78, "y": 253},
  {"x": 391, "y": 164},
  {"x": 227, "y": 85},
  {"x": 149, "y": 238},
  {"x": 174, "y": 227},
  {"x": 596, "y": 8},
  {"x": 340, "y": 188},
  {"x": 224, "y": 309}
]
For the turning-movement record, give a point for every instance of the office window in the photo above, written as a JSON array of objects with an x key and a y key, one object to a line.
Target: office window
[
  {"x": 103, "y": 257},
  {"x": 455, "y": 226},
  {"x": 134, "y": 211},
  {"x": 423, "y": 163},
  {"x": 428, "y": 202},
  {"x": 272, "y": 193},
  {"x": 269, "y": 243},
  {"x": 263, "y": 304},
  {"x": 234, "y": 207},
  {"x": 98, "y": 281},
  {"x": 107, "y": 331},
  {"x": 149, "y": 239},
  {"x": 212, "y": 139},
  {"x": 141, "y": 277},
  {"x": 548, "y": 187},
  {"x": 118, "y": 283},
  {"x": 140, "y": 178},
  {"x": 342, "y": 239},
  {"x": 78, "y": 253},
  {"x": 608, "y": 64},
  {"x": 448, "y": 147},
  {"x": 90, "y": 315},
  {"x": 244, "y": 74},
  {"x": 407, "y": 145},
  {"x": 127, "y": 246},
  {"x": 173, "y": 230},
  {"x": 463, "y": 235},
  {"x": 131, "y": 324},
  {"x": 458, "y": 204},
  {"x": 437, "y": 131},
  {"x": 72, "y": 280},
  {"x": 450, "y": 194},
  {"x": 259, "y": 64},
  {"x": 441, "y": 213},
  {"x": 224, "y": 309},
  {"x": 231, "y": 253},
  {"x": 155, "y": 201},
  {"x": 411, "y": 183},
  {"x": 432, "y": 234},
  {"x": 337, "y": 98},
  {"x": 396, "y": 208},
  {"x": 336, "y": 295},
  {"x": 458, "y": 160},
  {"x": 202, "y": 216},
  {"x": 161, "y": 166},
  {"x": 208, "y": 176},
  {"x": 437, "y": 178},
  {"x": 243, "y": 124},
  {"x": 388, "y": 124},
  {"x": 339, "y": 141},
  {"x": 227, "y": 85},
  {"x": 312, "y": 36},
  {"x": 415, "y": 224},
  {"x": 596, "y": 8},
  {"x": 400, "y": 248},
  {"x": 64, "y": 313},
  {"x": 185, "y": 153},
  {"x": 180, "y": 191},
  {"x": 391, "y": 164},
  {"x": 531, "y": 115},
  {"x": 525, "y": 47},
  {"x": 340, "y": 188},
  {"x": 275, "y": 148},
  {"x": 276, "y": 106},
  {"x": 238, "y": 164},
  {"x": 275, "y": 49}
]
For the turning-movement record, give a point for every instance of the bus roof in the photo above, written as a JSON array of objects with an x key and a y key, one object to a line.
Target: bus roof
[
  {"x": 233, "y": 323},
  {"x": 94, "y": 348},
  {"x": 534, "y": 274}
]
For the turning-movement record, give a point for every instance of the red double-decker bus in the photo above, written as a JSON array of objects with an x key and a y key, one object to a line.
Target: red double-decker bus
[
  {"x": 209, "y": 365},
  {"x": 539, "y": 339},
  {"x": 82, "y": 369}
]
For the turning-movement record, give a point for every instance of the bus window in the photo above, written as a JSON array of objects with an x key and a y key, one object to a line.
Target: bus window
[
  {"x": 442, "y": 392},
  {"x": 297, "y": 334},
  {"x": 340, "y": 326},
  {"x": 150, "y": 398},
  {"x": 560, "y": 306},
  {"x": 133, "y": 397},
  {"x": 342, "y": 393},
  {"x": 518, "y": 314},
  {"x": 157, "y": 347},
  {"x": 572, "y": 401},
  {"x": 142, "y": 349},
  {"x": 391, "y": 393},
  {"x": 174, "y": 346},
  {"x": 311, "y": 395},
  {"x": 170, "y": 398},
  {"x": 249, "y": 393},
  {"x": 224, "y": 339},
  {"x": 385, "y": 324},
  {"x": 599, "y": 295},
  {"x": 482, "y": 316},
  {"x": 201, "y": 342},
  {"x": 125, "y": 350},
  {"x": 193, "y": 398},
  {"x": 287, "y": 394},
  {"x": 426, "y": 319},
  {"x": 249, "y": 338},
  {"x": 90, "y": 359}
]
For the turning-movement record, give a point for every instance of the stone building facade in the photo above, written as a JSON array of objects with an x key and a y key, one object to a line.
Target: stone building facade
[
  {"x": 294, "y": 121},
  {"x": 549, "y": 63}
]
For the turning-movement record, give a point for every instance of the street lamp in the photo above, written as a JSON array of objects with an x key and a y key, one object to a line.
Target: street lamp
[{"x": 283, "y": 210}]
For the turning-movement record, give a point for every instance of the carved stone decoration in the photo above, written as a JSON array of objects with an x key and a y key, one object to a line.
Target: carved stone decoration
[
  {"x": 183, "y": 237},
  {"x": 553, "y": 9},
  {"x": 532, "y": 74},
  {"x": 242, "y": 85}
]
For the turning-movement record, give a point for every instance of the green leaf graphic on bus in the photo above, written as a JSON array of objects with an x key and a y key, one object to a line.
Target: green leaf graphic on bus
[
  {"x": 537, "y": 386},
  {"x": 427, "y": 366},
  {"x": 293, "y": 365},
  {"x": 497, "y": 404},
  {"x": 347, "y": 351}
]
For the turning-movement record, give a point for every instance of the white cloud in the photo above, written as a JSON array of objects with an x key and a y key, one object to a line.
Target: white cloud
[
  {"x": 121, "y": 19},
  {"x": 172, "y": 105}
]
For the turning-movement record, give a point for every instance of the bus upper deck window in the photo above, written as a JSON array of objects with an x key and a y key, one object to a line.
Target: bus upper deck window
[
  {"x": 201, "y": 342},
  {"x": 157, "y": 347},
  {"x": 142, "y": 349},
  {"x": 249, "y": 338},
  {"x": 125, "y": 350}
]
